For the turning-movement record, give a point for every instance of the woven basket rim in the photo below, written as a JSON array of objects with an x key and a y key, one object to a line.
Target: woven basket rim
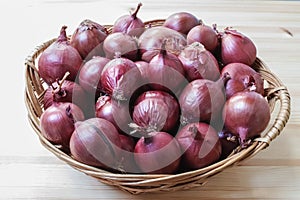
[{"x": 276, "y": 93}]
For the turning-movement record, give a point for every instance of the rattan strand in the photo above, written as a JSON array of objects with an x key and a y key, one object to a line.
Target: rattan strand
[{"x": 277, "y": 95}]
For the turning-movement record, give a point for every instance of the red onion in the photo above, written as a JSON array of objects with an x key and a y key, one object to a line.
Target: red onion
[
  {"x": 120, "y": 78},
  {"x": 202, "y": 100},
  {"x": 236, "y": 47},
  {"x": 88, "y": 39},
  {"x": 89, "y": 75},
  {"x": 130, "y": 24},
  {"x": 158, "y": 154},
  {"x": 57, "y": 122},
  {"x": 150, "y": 42},
  {"x": 199, "y": 63},
  {"x": 156, "y": 111},
  {"x": 182, "y": 22},
  {"x": 246, "y": 114},
  {"x": 229, "y": 142},
  {"x": 204, "y": 34},
  {"x": 242, "y": 77},
  {"x": 200, "y": 144},
  {"x": 60, "y": 57},
  {"x": 165, "y": 71},
  {"x": 120, "y": 43},
  {"x": 115, "y": 112},
  {"x": 96, "y": 142}
]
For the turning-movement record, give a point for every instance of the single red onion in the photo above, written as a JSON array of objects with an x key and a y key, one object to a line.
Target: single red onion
[
  {"x": 158, "y": 154},
  {"x": 89, "y": 75},
  {"x": 60, "y": 57},
  {"x": 96, "y": 142},
  {"x": 155, "y": 111},
  {"x": 242, "y": 77},
  {"x": 120, "y": 78},
  {"x": 204, "y": 34},
  {"x": 130, "y": 24},
  {"x": 202, "y": 100},
  {"x": 88, "y": 39},
  {"x": 120, "y": 43},
  {"x": 181, "y": 22},
  {"x": 236, "y": 47},
  {"x": 199, "y": 63},
  {"x": 200, "y": 144},
  {"x": 246, "y": 114},
  {"x": 57, "y": 122},
  {"x": 150, "y": 42},
  {"x": 115, "y": 112},
  {"x": 165, "y": 71}
]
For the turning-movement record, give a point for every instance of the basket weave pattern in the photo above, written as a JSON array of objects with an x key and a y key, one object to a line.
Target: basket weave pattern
[{"x": 275, "y": 91}]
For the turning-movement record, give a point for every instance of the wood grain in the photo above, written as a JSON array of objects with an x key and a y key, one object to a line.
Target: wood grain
[{"x": 27, "y": 171}]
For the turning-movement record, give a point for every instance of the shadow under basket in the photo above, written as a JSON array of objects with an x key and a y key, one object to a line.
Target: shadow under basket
[{"x": 276, "y": 93}]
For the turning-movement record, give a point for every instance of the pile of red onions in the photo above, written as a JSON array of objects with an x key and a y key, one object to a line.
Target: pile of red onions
[{"x": 152, "y": 99}]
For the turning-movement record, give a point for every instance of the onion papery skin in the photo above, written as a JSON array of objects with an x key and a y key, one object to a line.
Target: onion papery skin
[
  {"x": 57, "y": 122},
  {"x": 158, "y": 154},
  {"x": 205, "y": 35},
  {"x": 236, "y": 47},
  {"x": 199, "y": 63},
  {"x": 121, "y": 43},
  {"x": 88, "y": 39},
  {"x": 246, "y": 114},
  {"x": 89, "y": 75},
  {"x": 57, "y": 59},
  {"x": 120, "y": 78},
  {"x": 96, "y": 142},
  {"x": 243, "y": 77},
  {"x": 182, "y": 22},
  {"x": 156, "y": 111},
  {"x": 150, "y": 42},
  {"x": 200, "y": 144}
]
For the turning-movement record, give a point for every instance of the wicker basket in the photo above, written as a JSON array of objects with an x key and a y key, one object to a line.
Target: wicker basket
[{"x": 276, "y": 93}]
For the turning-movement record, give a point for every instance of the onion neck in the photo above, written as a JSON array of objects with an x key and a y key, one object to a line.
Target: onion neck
[
  {"x": 163, "y": 50},
  {"x": 148, "y": 140},
  {"x": 195, "y": 132},
  {"x": 250, "y": 84},
  {"x": 136, "y": 11},
  {"x": 63, "y": 35},
  {"x": 223, "y": 80},
  {"x": 69, "y": 114},
  {"x": 243, "y": 133},
  {"x": 59, "y": 92},
  {"x": 233, "y": 32}
]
